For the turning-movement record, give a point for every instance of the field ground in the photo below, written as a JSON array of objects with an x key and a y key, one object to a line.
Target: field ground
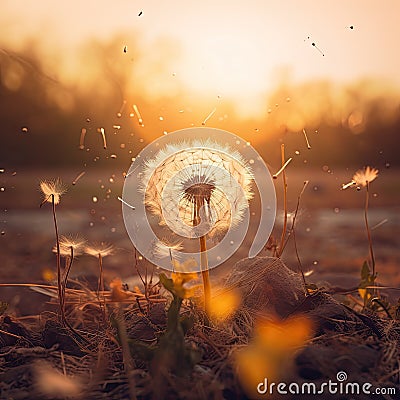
[{"x": 330, "y": 228}]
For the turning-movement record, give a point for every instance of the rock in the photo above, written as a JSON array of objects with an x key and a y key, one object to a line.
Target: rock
[{"x": 267, "y": 285}]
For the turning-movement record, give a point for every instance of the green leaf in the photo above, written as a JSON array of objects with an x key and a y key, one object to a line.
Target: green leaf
[{"x": 167, "y": 282}]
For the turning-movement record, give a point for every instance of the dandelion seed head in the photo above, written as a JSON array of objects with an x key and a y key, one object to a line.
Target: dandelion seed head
[
  {"x": 102, "y": 249},
  {"x": 365, "y": 176},
  {"x": 76, "y": 243},
  {"x": 197, "y": 184},
  {"x": 52, "y": 189},
  {"x": 166, "y": 248}
]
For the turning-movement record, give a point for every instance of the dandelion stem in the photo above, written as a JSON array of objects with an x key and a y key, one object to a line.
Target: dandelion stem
[
  {"x": 292, "y": 231},
  {"x": 100, "y": 287},
  {"x": 200, "y": 202},
  {"x": 205, "y": 274},
  {"x": 371, "y": 250},
  {"x": 60, "y": 293},
  {"x": 284, "y": 201}
]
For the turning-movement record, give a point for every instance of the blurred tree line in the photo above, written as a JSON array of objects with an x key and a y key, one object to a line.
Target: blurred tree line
[{"x": 42, "y": 117}]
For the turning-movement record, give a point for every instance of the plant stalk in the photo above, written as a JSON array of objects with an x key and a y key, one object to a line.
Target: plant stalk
[
  {"x": 371, "y": 250},
  {"x": 59, "y": 285},
  {"x": 281, "y": 247}
]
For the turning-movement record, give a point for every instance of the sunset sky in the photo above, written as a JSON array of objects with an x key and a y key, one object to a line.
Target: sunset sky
[{"x": 236, "y": 50}]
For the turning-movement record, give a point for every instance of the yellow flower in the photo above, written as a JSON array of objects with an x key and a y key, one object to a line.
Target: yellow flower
[
  {"x": 117, "y": 291},
  {"x": 224, "y": 303},
  {"x": 54, "y": 188},
  {"x": 363, "y": 177},
  {"x": 271, "y": 351},
  {"x": 183, "y": 286}
]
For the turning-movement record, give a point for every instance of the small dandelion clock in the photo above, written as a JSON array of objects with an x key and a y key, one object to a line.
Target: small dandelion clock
[{"x": 195, "y": 186}]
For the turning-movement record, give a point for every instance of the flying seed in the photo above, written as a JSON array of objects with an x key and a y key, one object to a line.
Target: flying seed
[
  {"x": 379, "y": 224},
  {"x": 209, "y": 116},
  {"x": 140, "y": 120},
  {"x": 141, "y": 12},
  {"x": 314, "y": 45},
  {"x": 103, "y": 135},
  {"x": 306, "y": 138},
  {"x": 82, "y": 139},
  {"x": 125, "y": 49},
  {"x": 124, "y": 202},
  {"x": 282, "y": 169},
  {"x": 79, "y": 176},
  {"x": 119, "y": 113}
]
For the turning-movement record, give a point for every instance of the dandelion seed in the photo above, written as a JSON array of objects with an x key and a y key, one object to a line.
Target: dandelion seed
[
  {"x": 114, "y": 156},
  {"x": 118, "y": 127},
  {"x": 79, "y": 176},
  {"x": 94, "y": 199},
  {"x": 125, "y": 49},
  {"x": 135, "y": 108},
  {"x": 82, "y": 139},
  {"x": 209, "y": 116},
  {"x": 103, "y": 135},
  {"x": 379, "y": 224},
  {"x": 141, "y": 12},
  {"x": 306, "y": 138},
  {"x": 24, "y": 129},
  {"x": 52, "y": 189},
  {"x": 119, "y": 113},
  {"x": 124, "y": 202},
  {"x": 275, "y": 176},
  {"x": 314, "y": 45}
]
